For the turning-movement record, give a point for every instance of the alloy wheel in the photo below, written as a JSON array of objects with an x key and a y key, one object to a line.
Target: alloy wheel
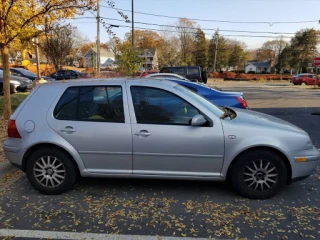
[
  {"x": 260, "y": 175},
  {"x": 49, "y": 171}
]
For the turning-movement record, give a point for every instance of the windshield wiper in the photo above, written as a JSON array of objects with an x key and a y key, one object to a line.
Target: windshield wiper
[{"x": 227, "y": 113}]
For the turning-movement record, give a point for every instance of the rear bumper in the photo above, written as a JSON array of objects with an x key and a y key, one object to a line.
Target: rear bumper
[{"x": 12, "y": 149}]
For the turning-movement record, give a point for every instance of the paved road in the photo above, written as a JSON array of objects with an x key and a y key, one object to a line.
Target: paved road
[{"x": 182, "y": 208}]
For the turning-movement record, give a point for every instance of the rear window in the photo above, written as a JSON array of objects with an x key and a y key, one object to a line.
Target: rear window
[
  {"x": 166, "y": 70},
  {"x": 91, "y": 103},
  {"x": 179, "y": 71},
  {"x": 193, "y": 71}
]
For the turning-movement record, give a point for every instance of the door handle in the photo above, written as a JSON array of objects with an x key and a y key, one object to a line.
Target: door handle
[
  {"x": 143, "y": 133},
  {"x": 68, "y": 129}
]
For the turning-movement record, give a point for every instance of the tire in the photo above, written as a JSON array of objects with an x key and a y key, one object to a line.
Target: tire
[
  {"x": 67, "y": 178},
  {"x": 241, "y": 174},
  {"x": 204, "y": 77},
  {"x": 304, "y": 84}
]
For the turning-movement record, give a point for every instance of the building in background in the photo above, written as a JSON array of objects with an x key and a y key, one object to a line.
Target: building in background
[
  {"x": 258, "y": 67},
  {"x": 150, "y": 58},
  {"x": 107, "y": 58}
]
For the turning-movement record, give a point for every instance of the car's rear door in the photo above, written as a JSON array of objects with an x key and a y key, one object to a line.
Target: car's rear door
[
  {"x": 164, "y": 142},
  {"x": 95, "y": 121}
]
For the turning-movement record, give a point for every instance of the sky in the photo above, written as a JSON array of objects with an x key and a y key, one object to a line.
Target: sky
[{"x": 267, "y": 11}]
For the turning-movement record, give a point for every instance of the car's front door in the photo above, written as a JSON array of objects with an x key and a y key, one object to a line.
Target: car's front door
[
  {"x": 164, "y": 142},
  {"x": 95, "y": 121}
]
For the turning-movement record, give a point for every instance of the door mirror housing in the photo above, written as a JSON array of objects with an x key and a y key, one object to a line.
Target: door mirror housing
[{"x": 198, "y": 120}]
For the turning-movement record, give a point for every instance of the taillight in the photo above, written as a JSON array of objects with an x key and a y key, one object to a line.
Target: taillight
[
  {"x": 242, "y": 102},
  {"x": 12, "y": 130}
]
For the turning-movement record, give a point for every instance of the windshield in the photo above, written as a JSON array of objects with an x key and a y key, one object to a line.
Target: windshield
[
  {"x": 201, "y": 100},
  {"x": 1, "y": 72},
  {"x": 26, "y": 73}
]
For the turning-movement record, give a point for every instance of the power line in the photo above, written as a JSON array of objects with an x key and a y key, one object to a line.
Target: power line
[
  {"x": 162, "y": 30},
  {"x": 206, "y": 29},
  {"x": 213, "y": 20}
]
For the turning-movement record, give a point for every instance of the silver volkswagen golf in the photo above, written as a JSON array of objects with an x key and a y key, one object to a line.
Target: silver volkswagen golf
[{"x": 151, "y": 129}]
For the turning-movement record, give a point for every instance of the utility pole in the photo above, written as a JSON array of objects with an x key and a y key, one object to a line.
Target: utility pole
[
  {"x": 98, "y": 37},
  {"x": 216, "y": 50},
  {"x": 132, "y": 25},
  {"x": 145, "y": 57},
  {"x": 38, "y": 58},
  {"x": 280, "y": 58}
]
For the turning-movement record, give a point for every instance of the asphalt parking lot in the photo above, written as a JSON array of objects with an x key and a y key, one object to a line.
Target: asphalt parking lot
[{"x": 180, "y": 208}]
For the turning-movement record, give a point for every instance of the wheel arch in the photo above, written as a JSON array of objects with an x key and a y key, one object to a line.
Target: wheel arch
[
  {"x": 35, "y": 147},
  {"x": 268, "y": 148}
]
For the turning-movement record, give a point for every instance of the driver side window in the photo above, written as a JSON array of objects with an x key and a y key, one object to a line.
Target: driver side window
[
  {"x": 157, "y": 106},
  {"x": 13, "y": 73}
]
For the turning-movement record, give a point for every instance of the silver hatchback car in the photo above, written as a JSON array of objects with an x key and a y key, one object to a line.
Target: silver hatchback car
[{"x": 151, "y": 129}]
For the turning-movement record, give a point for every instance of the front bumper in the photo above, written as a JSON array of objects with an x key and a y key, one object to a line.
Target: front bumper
[{"x": 303, "y": 169}]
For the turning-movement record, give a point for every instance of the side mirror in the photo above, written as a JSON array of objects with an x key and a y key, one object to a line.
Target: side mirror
[{"x": 198, "y": 120}]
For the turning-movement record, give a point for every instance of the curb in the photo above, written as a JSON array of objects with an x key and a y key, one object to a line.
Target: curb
[{"x": 6, "y": 168}]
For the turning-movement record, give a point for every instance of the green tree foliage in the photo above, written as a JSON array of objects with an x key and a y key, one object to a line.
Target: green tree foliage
[
  {"x": 304, "y": 47},
  {"x": 201, "y": 49},
  {"x": 222, "y": 55},
  {"x": 129, "y": 61},
  {"x": 237, "y": 56}
]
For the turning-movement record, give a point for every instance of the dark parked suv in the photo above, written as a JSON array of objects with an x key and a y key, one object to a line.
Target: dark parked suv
[{"x": 192, "y": 73}]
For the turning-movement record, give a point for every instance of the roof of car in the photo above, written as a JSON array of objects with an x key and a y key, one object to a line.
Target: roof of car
[
  {"x": 98, "y": 81},
  {"x": 165, "y": 74}
]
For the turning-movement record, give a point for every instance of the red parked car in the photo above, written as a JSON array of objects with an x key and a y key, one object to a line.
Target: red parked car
[{"x": 305, "y": 79}]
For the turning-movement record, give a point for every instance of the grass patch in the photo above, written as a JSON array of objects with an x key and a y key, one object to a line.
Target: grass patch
[{"x": 16, "y": 99}]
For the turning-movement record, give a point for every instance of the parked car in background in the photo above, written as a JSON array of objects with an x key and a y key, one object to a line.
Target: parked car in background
[
  {"x": 67, "y": 74},
  {"x": 193, "y": 73},
  {"x": 151, "y": 129},
  {"x": 219, "y": 98},
  {"x": 305, "y": 79},
  {"x": 15, "y": 86},
  {"x": 21, "y": 72},
  {"x": 25, "y": 83}
]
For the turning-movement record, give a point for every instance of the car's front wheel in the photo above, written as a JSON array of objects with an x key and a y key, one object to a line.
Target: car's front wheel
[
  {"x": 51, "y": 171},
  {"x": 304, "y": 84},
  {"x": 259, "y": 174}
]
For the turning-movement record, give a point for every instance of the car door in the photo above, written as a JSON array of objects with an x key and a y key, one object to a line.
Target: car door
[
  {"x": 95, "y": 121},
  {"x": 164, "y": 142}
]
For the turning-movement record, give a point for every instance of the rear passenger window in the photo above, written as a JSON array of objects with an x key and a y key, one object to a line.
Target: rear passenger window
[
  {"x": 166, "y": 70},
  {"x": 193, "y": 71},
  {"x": 180, "y": 71},
  {"x": 91, "y": 103}
]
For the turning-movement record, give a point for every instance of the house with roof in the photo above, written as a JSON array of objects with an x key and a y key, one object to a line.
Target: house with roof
[
  {"x": 107, "y": 58},
  {"x": 150, "y": 58},
  {"x": 258, "y": 67}
]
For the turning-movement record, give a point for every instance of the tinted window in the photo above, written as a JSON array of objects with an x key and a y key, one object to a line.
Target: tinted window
[
  {"x": 166, "y": 70},
  {"x": 180, "y": 71},
  {"x": 101, "y": 103},
  {"x": 14, "y": 73},
  {"x": 193, "y": 71},
  {"x": 156, "y": 106}
]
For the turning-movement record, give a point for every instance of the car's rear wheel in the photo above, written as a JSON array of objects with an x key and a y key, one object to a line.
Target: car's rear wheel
[
  {"x": 51, "y": 171},
  {"x": 258, "y": 174}
]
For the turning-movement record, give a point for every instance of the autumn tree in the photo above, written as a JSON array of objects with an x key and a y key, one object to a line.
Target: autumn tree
[
  {"x": 144, "y": 39},
  {"x": 168, "y": 50},
  {"x": 58, "y": 44},
  {"x": 114, "y": 45},
  {"x": 201, "y": 49},
  {"x": 21, "y": 20},
  {"x": 270, "y": 50},
  {"x": 186, "y": 33}
]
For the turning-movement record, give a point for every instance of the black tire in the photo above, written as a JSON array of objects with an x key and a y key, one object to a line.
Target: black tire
[
  {"x": 70, "y": 174},
  {"x": 241, "y": 181},
  {"x": 204, "y": 77}
]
